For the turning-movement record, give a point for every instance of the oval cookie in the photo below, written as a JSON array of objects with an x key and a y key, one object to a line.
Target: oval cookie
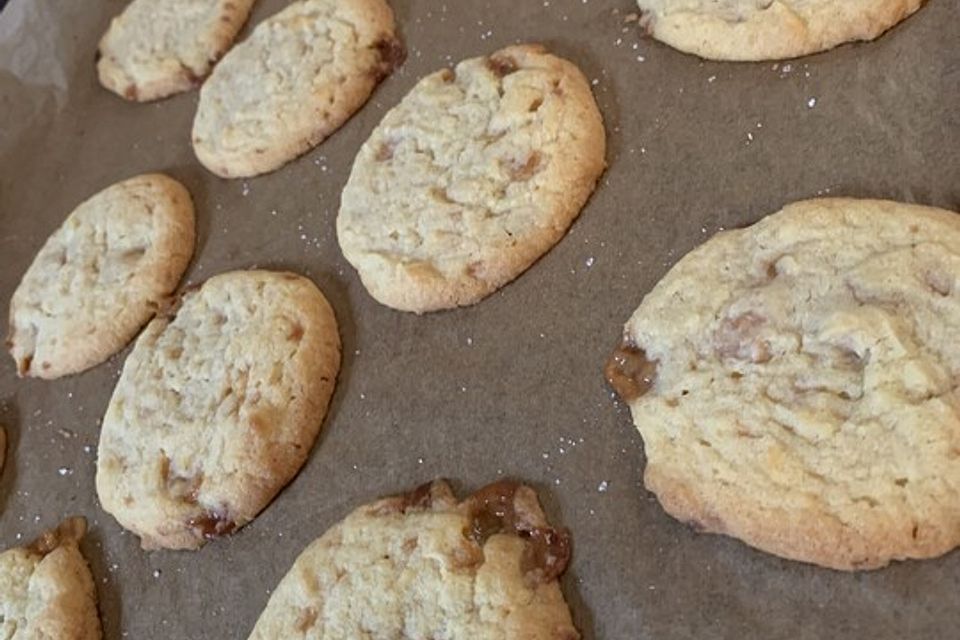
[
  {"x": 101, "y": 276},
  {"x": 422, "y": 566},
  {"x": 795, "y": 383},
  {"x": 217, "y": 407},
  {"x": 477, "y": 173},
  {"x": 46, "y": 590},
  {"x": 300, "y": 75},
  {"x": 157, "y": 48},
  {"x": 768, "y": 29}
]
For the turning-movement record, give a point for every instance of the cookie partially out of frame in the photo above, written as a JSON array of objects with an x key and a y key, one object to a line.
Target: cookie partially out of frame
[
  {"x": 46, "y": 590},
  {"x": 299, "y": 76},
  {"x": 157, "y": 48},
  {"x": 769, "y": 29},
  {"x": 421, "y": 566},
  {"x": 795, "y": 383},
  {"x": 477, "y": 173},
  {"x": 101, "y": 276},
  {"x": 217, "y": 407}
]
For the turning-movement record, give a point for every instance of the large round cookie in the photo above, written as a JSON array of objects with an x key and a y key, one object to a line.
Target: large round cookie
[
  {"x": 101, "y": 276},
  {"x": 217, "y": 407},
  {"x": 46, "y": 590},
  {"x": 478, "y": 172},
  {"x": 156, "y": 48},
  {"x": 299, "y": 76},
  {"x": 421, "y": 566},
  {"x": 768, "y": 29},
  {"x": 795, "y": 383}
]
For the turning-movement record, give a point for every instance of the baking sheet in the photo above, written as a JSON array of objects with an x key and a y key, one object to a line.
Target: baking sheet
[{"x": 512, "y": 386}]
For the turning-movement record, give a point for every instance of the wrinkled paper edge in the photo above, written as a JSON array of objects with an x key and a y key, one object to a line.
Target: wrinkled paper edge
[{"x": 38, "y": 56}]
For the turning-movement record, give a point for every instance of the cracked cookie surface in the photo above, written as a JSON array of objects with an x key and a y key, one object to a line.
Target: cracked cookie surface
[
  {"x": 101, "y": 276},
  {"x": 157, "y": 48},
  {"x": 299, "y": 76},
  {"x": 46, "y": 590},
  {"x": 423, "y": 567},
  {"x": 795, "y": 383},
  {"x": 477, "y": 173},
  {"x": 217, "y": 407},
  {"x": 768, "y": 29}
]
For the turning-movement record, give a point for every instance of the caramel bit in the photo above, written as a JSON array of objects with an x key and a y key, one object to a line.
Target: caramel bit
[
  {"x": 419, "y": 499},
  {"x": 494, "y": 509},
  {"x": 307, "y": 619},
  {"x": 448, "y": 75},
  {"x": 739, "y": 338},
  {"x": 23, "y": 365},
  {"x": 629, "y": 372},
  {"x": 546, "y": 558},
  {"x": 296, "y": 332},
  {"x": 190, "y": 75},
  {"x": 939, "y": 282},
  {"x": 69, "y": 531},
  {"x": 385, "y": 152},
  {"x": 186, "y": 488},
  {"x": 212, "y": 524},
  {"x": 521, "y": 171},
  {"x": 392, "y": 54},
  {"x": 646, "y": 22},
  {"x": 502, "y": 65},
  {"x": 130, "y": 93}
]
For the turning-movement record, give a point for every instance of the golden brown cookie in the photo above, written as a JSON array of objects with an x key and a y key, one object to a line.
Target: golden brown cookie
[
  {"x": 795, "y": 383},
  {"x": 299, "y": 76},
  {"x": 217, "y": 408},
  {"x": 101, "y": 276},
  {"x": 768, "y": 29},
  {"x": 421, "y": 566},
  {"x": 157, "y": 48},
  {"x": 46, "y": 590},
  {"x": 477, "y": 173}
]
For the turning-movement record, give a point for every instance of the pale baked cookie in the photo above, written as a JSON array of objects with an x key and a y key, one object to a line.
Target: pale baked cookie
[
  {"x": 156, "y": 48},
  {"x": 101, "y": 276},
  {"x": 299, "y": 76},
  {"x": 217, "y": 407},
  {"x": 477, "y": 173},
  {"x": 46, "y": 590},
  {"x": 795, "y": 383},
  {"x": 420, "y": 566},
  {"x": 768, "y": 29}
]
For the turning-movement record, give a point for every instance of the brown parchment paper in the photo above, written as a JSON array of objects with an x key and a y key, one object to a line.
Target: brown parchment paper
[{"x": 509, "y": 387}]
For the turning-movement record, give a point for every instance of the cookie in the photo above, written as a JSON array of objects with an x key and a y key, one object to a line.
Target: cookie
[
  {"x": 477, "y": 173},
  {"x": 157, "y": 48},
  {"x": 768, "y": 29},
  {"x": 101, "y": 276},
  {"x": 217, "y": 407},
  {"x": 300, "y": 75},
  {"x": 794, "y": 383},
  {"x": 46, "y": 590},
  {"x": 422, "y": 566}
]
